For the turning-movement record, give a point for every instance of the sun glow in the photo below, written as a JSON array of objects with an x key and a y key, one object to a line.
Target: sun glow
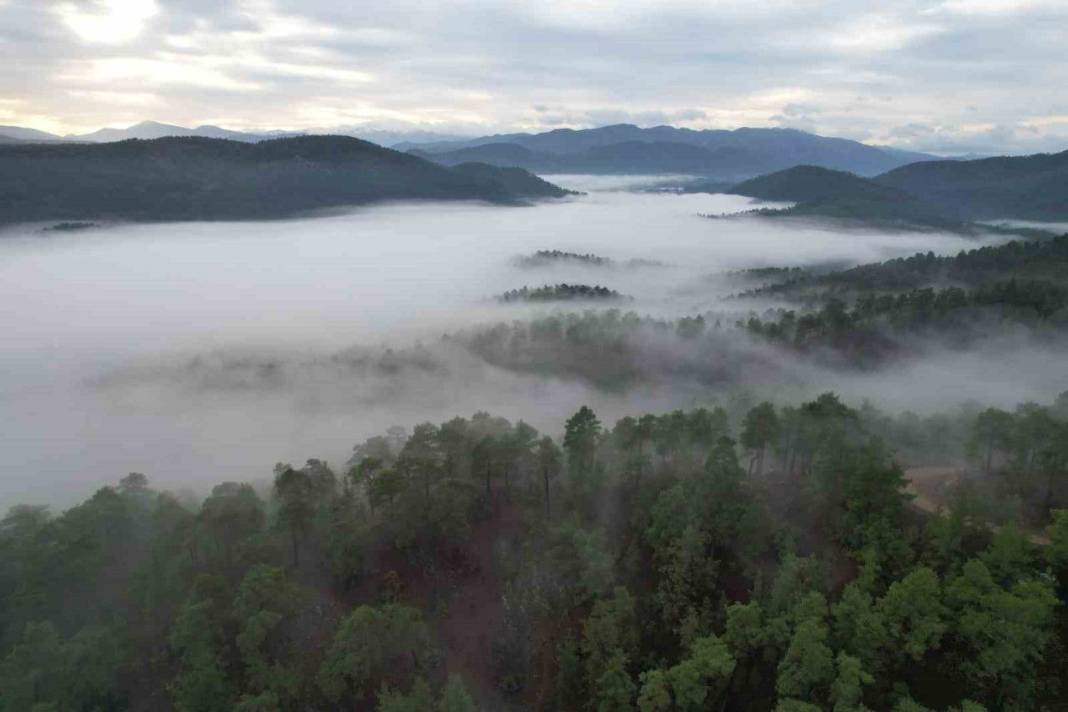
[{"x": 108, "y": 21}]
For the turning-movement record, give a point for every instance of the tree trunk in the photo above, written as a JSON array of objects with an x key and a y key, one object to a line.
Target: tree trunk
[{"x": 296, "y": 548}]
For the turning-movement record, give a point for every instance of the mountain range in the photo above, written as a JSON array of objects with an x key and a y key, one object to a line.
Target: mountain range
[
  {"x": 146, "y": 130},
  {"x": 194, "y": 178},
  {"x": 934, "y": 193},
  {"x": 619, "y": 149},
  {"x": 624, "y": 148}
]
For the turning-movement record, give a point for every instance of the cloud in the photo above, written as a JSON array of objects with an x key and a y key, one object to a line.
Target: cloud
[
  {"x": 107, "y": 21},
  {"x": 507, "y": 66}
]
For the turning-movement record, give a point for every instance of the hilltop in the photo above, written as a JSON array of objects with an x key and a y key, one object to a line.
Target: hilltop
[{"x": 195, "y": 178}]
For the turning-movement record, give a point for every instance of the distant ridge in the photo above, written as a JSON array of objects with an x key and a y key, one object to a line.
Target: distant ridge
[
  {"x": 17, "y": 133},
  {"x": 192, "y": 178},
  {"x": 624, "y": 148},
  {"x": 1022, "y": 187},
  {"x": 148, "y": 130},
  {"x": 932, "y": 193}
]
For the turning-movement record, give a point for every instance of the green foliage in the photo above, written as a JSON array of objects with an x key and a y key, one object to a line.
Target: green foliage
[
  {"x": 609, "y": 641},
  {"x": 454, "y": 697},
  {"x": 561, "y": 292},
  {"x": 693, "y": 684},
  {"x": 580, "y": 441},
  {"x": 847, "y": 691},
  {"x": 369, "y": 644},
  {"x": 264, "y": 600},
  {"x": 660, "y": 557},
  {"x": 418, "y": 699},
  {"x": 1004, "y": 630},
  {"x": 914, "y": 614},
  {"x": 808, "y": 666},
  {"x": 655, "y": 692},
  {"x": 614, "y": 689},
  {"x": 1057, "y": 551}
]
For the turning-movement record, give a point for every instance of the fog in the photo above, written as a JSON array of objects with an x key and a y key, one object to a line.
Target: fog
[{"x": 199, "y": 352}]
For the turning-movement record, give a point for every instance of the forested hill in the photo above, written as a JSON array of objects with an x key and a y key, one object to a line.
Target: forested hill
[
  {"x": 932, "y": 193},
  {"x": 216, "y": 179},
  {"x": 802, "y": 184},
  {"x": 1026, "y": 187},
  {"x": 1024, "y": 261}
]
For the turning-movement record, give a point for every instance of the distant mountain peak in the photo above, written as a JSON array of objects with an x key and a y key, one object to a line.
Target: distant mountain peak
[{"x": 625, "y": 148}]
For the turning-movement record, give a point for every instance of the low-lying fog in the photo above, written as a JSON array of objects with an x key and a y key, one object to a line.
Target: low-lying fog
[{"x": 201, "y": 352}]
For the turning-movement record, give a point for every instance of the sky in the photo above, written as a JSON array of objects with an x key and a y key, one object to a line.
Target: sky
[{"x": 948, "y": 76}]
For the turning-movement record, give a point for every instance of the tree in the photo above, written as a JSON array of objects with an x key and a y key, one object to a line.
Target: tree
[
  {"x": 370, "y": 642},
  {"x": 847, "y": 691},
  {"x": 580, "y": 441},
  {"x": 547, "y": 457},
  {"x": 694, "y": 684},
  {"x": 859, "y": 629},
  {"x": 1005, "y": 629},
  {"x": 614, "y": 689},
  {"x": 993, "y": 431},
  {"x": 655, "y": 692},
  {"x": 295, "y": 492},
  {"x": 31, "y": 672},
  {"x": 519, "y": 447},
  {"x": 808, "y": 666},
  {"x": 455, "y": 440},
  {"x": 913, "y": 613},
  {"x": 454, "y": 697},
  {"x": 759, "y": 429},
  {"x": 1057, "y": 551},
  {"x": 265, "y": 598},
  {"x": 232, "y": 513},
  {"x": 702, "y": 676},
  {"x": 420, "y": 459},
  {"x": 418, "y": 699},
  {"x": 201, "y": 684},
  {"x": 610, "y": 630}
]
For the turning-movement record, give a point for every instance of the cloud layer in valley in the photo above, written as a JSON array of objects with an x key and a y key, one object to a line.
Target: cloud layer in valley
[
  {"x": 942, "y": 75},
  {"x": 204, "y": 351}
]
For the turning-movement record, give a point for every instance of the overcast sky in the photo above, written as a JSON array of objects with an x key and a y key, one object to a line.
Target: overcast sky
[{"x": 943, "y": 75}]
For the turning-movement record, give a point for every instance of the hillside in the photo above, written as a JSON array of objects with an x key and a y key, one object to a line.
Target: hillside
[
  {"x": 931, "y": 193},
  {"x": 515, "y": 180},
  {"x": 1026, "y": 261},
  {"x": 215, "y": 179},
  {"x": 803, "y": 184},
  {"x": 623, "y": 148},
  {"x": 837, "y": 194},
  {"x": 1025, "y": 187}
]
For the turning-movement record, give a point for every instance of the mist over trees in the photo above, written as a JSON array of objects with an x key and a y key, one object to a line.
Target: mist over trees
[{"x": 762, "y": 558}]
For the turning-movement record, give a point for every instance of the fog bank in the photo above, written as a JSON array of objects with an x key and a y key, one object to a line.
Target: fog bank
[{"x": 199, "y": 352}]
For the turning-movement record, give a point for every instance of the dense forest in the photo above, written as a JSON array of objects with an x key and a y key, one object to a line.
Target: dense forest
[{"x": 758, "y": 559}]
